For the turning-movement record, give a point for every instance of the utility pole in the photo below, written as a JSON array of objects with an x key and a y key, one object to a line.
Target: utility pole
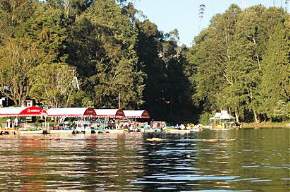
[{"x": 119, "y": 101}]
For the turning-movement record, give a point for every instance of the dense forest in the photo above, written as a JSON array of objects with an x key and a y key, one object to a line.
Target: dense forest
[{"x": 95, "y": 52}]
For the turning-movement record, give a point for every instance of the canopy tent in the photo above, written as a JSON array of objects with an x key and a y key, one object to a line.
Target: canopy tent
[
  {"x": 71, "y": 112},
  {"x": 22, "y": 111},
  {"x": 110, "y": 113},
  {"x": 137, "y": 114}
]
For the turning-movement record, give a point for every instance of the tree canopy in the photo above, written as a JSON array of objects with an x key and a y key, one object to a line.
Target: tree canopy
[{"x": 241, "y": 63}]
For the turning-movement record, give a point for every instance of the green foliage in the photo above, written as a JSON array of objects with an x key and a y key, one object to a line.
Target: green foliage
[
  {"x": 17, "y": 58},
  {"x": 241, "y": 63},
  {"x": 47, "y": 27},
  {"x": 13, "y": 14},
  {"x": 209, "y": 55},
  {"x": 115, "y": 57},
  {"x": 204, "y": 118},
  {"x": 52, "y": 83},
  {"x": 167, "y": 92},
  {"x": 275, "y": 83}
]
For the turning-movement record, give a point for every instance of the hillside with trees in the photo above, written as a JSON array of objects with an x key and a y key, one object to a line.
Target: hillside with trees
[{"x": 91, "y": 52}]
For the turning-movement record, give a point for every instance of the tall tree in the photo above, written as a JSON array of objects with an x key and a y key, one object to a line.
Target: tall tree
[
  {"x": 275, "y": 84},
  {"x": 116, "y": 59},
  {"x": 244, "y": 67},
  {"x": 148, "y": 49},
  {"x": 209, "y": 56}
]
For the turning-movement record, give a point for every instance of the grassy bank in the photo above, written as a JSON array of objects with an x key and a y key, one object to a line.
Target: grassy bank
[{"x": 266, "y": 125}]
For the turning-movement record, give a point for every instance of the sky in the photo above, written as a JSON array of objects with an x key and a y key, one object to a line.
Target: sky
[{"x": 183, "y": 15}]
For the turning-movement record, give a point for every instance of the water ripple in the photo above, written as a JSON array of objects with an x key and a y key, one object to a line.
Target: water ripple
[{"x": 207, "y": 161}]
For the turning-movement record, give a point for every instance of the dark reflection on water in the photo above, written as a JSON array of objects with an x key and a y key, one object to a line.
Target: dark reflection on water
[{"x": 236, "y": 160}]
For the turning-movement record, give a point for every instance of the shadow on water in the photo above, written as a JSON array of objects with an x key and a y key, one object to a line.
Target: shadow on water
[{"x": 236, "y": 160}]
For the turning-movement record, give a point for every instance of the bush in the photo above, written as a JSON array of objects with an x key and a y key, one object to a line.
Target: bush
[{"x": 204, "y": 118}]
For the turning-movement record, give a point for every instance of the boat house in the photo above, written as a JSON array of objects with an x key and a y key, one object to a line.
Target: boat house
[{"x": 222, "y": 120}]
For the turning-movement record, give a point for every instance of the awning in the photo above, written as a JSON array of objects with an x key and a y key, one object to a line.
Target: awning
[
  {"x": 22, "y": 111},
  {"x": 110, "y": 113},
  {"x": 137, "y": 114},
  {"x": 71, "y": 112}
]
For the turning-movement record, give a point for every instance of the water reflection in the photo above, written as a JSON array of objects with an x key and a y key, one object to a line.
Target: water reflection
[
  {"x": 249, "y": 160},
  {"x": 32, "y": 162}
]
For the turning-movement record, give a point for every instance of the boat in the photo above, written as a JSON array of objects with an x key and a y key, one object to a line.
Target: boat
[
  {"x": 176, "y": 131},
  {"x": 155, "y": 139},
  {"x": 30, "y": 132},
  {"x": 8, "y": 131},
  {"x": 150, "y": 130}
]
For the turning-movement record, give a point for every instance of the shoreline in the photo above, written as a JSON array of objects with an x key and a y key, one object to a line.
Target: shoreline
[{"x": 265, "y": 125}]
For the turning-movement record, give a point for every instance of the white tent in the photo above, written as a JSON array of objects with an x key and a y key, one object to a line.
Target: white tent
[
  {"x": 10, "y": 111},
  {"x": 136, "y": 114},
  {"x": 71, "y": 112},
  {"x": 110, "y": 113},
  {"x": 22, "y": 111}
]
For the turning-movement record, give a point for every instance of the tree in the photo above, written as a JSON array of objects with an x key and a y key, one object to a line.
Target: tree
[
  {"x": 54, "y": 84},
  {"x": 116, "y": 59},
  {"x": 17, "y": 58},
  {"x": 225, "y": 62},
  {"x": 177, "y": 98},
  {"x": 48, "y": 28},
  {"x": 148, "y": 50},
  {"x": 243, "y": 71},
  {"x": 208, "y": 58},
  {"x": 275, "y": 84},
  {"x": 71, "y": 8},
  {"x": 13, "y": 14}
]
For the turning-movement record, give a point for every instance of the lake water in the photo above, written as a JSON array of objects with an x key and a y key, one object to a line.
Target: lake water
[{"x": 235, "y": 160}]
